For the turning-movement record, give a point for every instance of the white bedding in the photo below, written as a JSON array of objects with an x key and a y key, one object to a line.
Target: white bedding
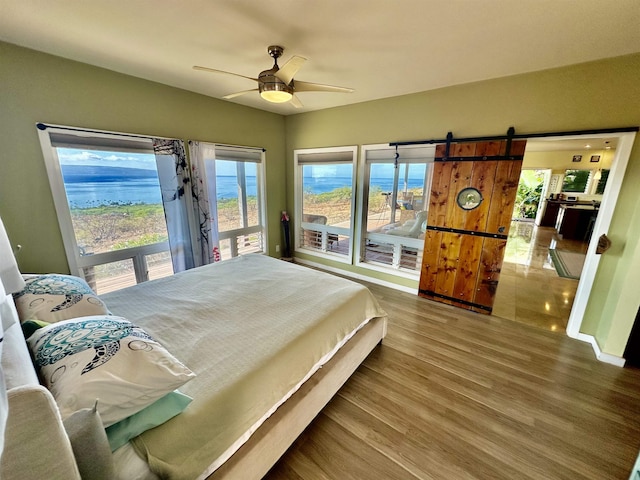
[
  {"x": 252, "y": 329},
  {"x": 129, "y": 465}
]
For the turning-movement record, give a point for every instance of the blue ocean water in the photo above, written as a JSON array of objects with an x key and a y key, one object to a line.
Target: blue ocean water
[
  {"x": 146, "y": 190},
  {"x": 93, "y": 186},
  {"x": 324, "y": 184}
]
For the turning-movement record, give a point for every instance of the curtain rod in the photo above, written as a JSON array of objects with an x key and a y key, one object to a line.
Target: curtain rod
[
  {"x": 514, "y": 136},
  {"x": 44, "y": 126},
  {"x": 228, "y": 145}
]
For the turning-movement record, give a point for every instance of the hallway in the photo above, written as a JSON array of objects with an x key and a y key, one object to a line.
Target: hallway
[{"x": 530, "y": 291}]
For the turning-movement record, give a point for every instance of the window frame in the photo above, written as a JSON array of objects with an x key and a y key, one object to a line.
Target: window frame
[
  {"x": 588, "y": 185},
  {"x": 233, "y": 234},
  {"x": 128, "y": 142},
  {"x": 332, "y": 155},
  {"x": 398, "y": 242}
]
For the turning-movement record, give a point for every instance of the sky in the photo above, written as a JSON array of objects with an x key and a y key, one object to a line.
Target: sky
[
  {"x": 145, "y": 161},
  {"x": 74, "y": 156},
  {"x": 378, "y": 170}
]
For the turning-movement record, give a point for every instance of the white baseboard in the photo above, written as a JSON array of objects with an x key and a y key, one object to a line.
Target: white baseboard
[
  {"x": 346, "y": 273},
  {"x": 600, "y": 355}
]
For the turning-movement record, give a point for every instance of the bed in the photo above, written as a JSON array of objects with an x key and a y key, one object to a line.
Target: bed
[{"x": 269, "y": 343}]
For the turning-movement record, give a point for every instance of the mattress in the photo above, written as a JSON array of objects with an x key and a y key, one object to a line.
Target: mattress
[{"x": 253, "y": 329}]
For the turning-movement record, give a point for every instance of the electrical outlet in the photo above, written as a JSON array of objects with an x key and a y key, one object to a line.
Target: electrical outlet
[{"x": 277, "y": 248}]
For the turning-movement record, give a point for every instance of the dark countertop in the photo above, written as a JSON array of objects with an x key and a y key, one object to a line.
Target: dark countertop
[{"x": 593, "y": 203}]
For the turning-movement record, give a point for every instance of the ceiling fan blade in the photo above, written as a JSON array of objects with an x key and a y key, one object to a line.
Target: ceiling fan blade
[
  {"x": 318, "y": 87},
  {"x": 295, "y": 101},
  {"x": 207, "y": 69},
  {"x": 237, "y": 94},
  {"x": 289, "y": 69}
]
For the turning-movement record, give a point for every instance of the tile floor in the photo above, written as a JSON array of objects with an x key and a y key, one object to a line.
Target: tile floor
[{"x": 530, "y": 291}]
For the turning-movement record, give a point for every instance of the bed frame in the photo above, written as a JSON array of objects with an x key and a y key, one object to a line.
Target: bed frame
[
  {"x": 35, "y": 416},
  {"x": 256, "y": 457}
]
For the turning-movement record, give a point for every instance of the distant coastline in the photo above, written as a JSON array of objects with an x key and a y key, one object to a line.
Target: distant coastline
[
  {"x": 96, "y": 174},
  {"x": 91, "y": 186}
]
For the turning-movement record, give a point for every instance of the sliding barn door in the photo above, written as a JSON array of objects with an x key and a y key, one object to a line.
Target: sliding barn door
[{"x": 470, "y": 207}]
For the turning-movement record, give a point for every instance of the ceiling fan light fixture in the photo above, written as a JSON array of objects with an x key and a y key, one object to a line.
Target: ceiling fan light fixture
[
  {"x": 274, "y": 90},
  {"x": 277, "y": 85},
  {"x": 275, "y": 96}
]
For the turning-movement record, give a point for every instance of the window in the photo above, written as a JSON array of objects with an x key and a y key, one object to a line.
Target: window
[
  {"x": 235, "y": 179},
  {"x": 109, "y": 203},
  {"x": 576, "y": 181},
  {"x": 602, "y": 181},
  {"x": 394, "y": 205},
  {"x": 325, "y": 203}
]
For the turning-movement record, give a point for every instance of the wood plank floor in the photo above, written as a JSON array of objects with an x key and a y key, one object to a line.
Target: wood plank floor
[{"x": 455, "y": 395}]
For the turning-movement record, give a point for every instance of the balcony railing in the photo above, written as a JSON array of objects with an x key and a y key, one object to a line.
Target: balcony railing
[
  {"x": 109, "y": 271},
  {"x": 325, "y": 238},
  {"x": 241, "y": 241},
  {"x": 399, "y": 253},
  {"x": 117, "y": 269}
]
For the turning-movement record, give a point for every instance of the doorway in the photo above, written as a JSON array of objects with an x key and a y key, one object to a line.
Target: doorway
[
  {"x": 546, "y": 299},
  {"x": 529, "y": 195}
]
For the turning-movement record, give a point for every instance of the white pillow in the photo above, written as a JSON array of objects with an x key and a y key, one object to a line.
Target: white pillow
[
  {"x": 107, "y": 358},
  {"x": 53, "y": 297}
]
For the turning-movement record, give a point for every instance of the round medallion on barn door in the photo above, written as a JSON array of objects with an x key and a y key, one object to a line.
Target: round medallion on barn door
[{"x": 469, "y": 198}]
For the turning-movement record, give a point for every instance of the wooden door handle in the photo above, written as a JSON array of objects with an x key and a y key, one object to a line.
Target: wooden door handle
[{"x": 603, "y": 244}]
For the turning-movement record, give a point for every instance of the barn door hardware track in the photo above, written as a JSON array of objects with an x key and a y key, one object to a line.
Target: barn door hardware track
[{"x": 511, "y": 135}]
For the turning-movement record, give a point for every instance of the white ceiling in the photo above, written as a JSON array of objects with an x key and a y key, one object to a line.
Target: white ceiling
[
  {"x": 381, "y": 48},
  {"x": 576, "y": 144}
]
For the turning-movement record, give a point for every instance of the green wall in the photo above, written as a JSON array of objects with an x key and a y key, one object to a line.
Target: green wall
[
  {"x": 603, "y": 94},
  {"x": 37, "y": 87}
]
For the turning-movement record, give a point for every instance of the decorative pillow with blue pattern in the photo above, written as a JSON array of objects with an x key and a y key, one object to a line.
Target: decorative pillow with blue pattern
[
  {"x": 54, "y": 297},
  {"x": 107, "y": 358}
]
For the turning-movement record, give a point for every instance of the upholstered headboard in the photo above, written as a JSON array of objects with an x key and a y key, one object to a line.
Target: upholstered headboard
[
  {"x": 33, "y": 441},
  {"x": 36, "y": 444}
]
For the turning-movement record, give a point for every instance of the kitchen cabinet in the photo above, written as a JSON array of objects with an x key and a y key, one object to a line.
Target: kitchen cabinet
[
  {"x": 550, "y": 215},
  {"x": 552, "y": 209},
  {"x": 575, "y": 222}
]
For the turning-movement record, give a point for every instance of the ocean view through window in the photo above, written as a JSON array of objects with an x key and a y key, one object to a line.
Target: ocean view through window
[
  {"x": 115, "y": 204},
  {"x": 232, "y": 180},
  {"x": 325, "y": 202},
  {"x": 109, "y": 204},
  {"x": 132, "y": 208},
  {"x": 394, "y": 205}
]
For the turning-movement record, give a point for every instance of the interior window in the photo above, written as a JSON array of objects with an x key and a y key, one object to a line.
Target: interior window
[
  {"x": 395, "y": 198},
  {"x": 576, "y": 181},
  {"x": 325, "y": 201},
  {"x": 109, "y": 205},
  {"x": 602, "y": 181}
]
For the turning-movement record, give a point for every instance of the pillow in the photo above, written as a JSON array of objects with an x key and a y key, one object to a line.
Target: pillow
[
  {"x": 31, "y": 326},
  {"x": 54, "y": 297},
  {"x": 150, "y": 417},
  {"x": 108, "y": 358},
  {"x": 90, "y": 445}
]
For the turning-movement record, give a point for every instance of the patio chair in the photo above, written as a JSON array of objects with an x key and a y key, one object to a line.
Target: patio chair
[{"x": 410, "y": 228}]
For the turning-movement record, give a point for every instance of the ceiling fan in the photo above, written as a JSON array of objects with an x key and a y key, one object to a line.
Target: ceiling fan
[{"x": 277, "y": 85}]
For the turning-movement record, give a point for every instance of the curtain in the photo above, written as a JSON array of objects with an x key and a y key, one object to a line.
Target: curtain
[
  {"x": 203, "y": 172},
  {"x": 175, "y": 185}
]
